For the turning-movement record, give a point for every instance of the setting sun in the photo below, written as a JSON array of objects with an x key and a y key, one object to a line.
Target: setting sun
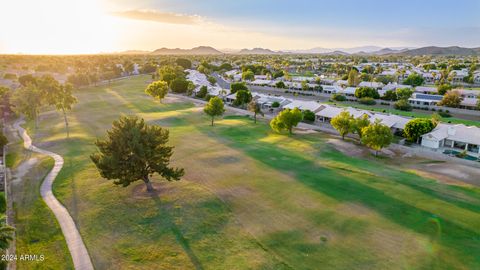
[{"x": 56, "y": 27}]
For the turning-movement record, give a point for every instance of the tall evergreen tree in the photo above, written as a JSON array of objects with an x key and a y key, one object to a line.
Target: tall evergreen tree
[{"x": 135, "y": 151}]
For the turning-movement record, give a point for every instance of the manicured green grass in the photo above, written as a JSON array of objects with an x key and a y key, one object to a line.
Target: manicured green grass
[
  {"x": 252, "y": 199},
  {"x": 37, "y": 231}
]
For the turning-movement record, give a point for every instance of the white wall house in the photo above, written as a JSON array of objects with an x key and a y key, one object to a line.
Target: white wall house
[
  {"x": 425, "y": 90},
  {"x": 455, "y": 137},
  {"x": 476, "y": 77},
  {"x": 331, "y": 89},
  {"x": 424, "y": 100},
  {"x": 304, "y": 105},
  {"x": 199, "y": 79},
  {"x": 458, "y": 75},
  {"x": 267, "y": 101},
  {"x": 376, "y": 85}
]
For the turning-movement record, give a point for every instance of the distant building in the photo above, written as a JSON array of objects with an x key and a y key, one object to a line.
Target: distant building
[
  {"x": 376, "y": 85},
  {"x": 424, "y": 100}
]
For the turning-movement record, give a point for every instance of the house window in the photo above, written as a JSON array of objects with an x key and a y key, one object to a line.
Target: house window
[
  {"x": 448, "y": 143},
  {"x": 459, "y": 145},
  {"x": 473, "y": 148}
]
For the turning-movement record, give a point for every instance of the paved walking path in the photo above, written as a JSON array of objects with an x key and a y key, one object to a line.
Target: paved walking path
[{"x": 78, "y": 251}]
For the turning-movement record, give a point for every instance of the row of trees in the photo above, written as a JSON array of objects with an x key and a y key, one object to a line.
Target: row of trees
[
  {"x": 374, "y": 135},
  {"x": 43, "y": 91},
  {"x": 170, "y": 77}
]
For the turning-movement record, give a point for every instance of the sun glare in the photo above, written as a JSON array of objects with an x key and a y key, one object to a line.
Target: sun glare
[{"x": 56, "y": 27}]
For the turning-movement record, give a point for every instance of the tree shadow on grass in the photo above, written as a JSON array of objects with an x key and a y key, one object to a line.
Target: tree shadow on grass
[
  {"x": 178, "y": 233},
  {"x": 343, "y": 187},
  {"x": 459, "y": 196}
]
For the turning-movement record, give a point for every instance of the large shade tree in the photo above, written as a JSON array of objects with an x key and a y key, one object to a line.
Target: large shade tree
[
  {"x": 242, "y": 97},
  {"x": 359, "y": 123},
  {"x": 417, "y": 127},
  {"x": 214, "y": 107},
  {"x": 451, "y": 99},
  {"x": 237, "y": 86},
  {"x": 157, "y": 90},
  {"x": 286, "y": 120},
  {"x": 377, "y": 136},
  {"x": 343, "y": 123},
  {"x": 28, "y": 100},
  {"x": 58, "y": 95},
  {"x": 133, "y": 150}
]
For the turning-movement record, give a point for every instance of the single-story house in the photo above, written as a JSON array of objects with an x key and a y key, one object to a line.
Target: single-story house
[
  {"x": 468, "y": 93},
  {"x": 200, "y": 79},
  {"x": 469, "y": 103},
  {"x": 231, "y": 98},
  {"x": 260, "y": 82},
  {"x": 458, "y": 75},
  {"x": 327, "y": 112},
  {"x": 266, "y": 101},
  {"x": 261, "y": 77},
  {"x": 425, "y": 90},
  {"x": 394, "y": 122},
  {"x": 458, "y": 137},
  {"x": 331, "y": 89},
  {"x": 394, "y": 86},
  {"x": 342, "y": 82},
  {"x": 376, "y": 85},
  {"x": 304, "y": 105},
  {"x": 349, "y": 91},
  {"x": 424, "y": 100}
]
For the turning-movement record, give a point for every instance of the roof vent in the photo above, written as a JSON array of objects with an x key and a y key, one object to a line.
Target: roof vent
[{"x": 451, "y": 131}]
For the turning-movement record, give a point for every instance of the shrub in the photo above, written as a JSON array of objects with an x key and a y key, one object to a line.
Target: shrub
[
  {"x": 10, "y": 76},
  {"x": 179, "y": 85},
  {"x": 202, "y": 92},
  {"x": 280, "y": 85},
  {"x": 402, "y": 105},
  {"x": 208, "y": 97},
  {"x": 308, "y": 116},
  {"x": 462, "y": 154},
  {"x": 242, "y": 97},
  {"x": 339, "y": 97},
  {"x": 234, "y": 87},
  {"x": 444, "y": 114},
  {"x": 367, "y": 101},
  {"x": 390, "y": 95},
  {"x": 362, "y": 92},
  {"x": 275, "y": 104}
]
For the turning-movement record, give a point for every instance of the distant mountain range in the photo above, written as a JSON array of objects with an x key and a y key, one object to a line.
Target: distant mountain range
[
  {"x": 201, "y": 50},
  {"x": 453, "y": 50},
  {"x": 364, "y": 50},
  {"x": 258, "y": 51}
]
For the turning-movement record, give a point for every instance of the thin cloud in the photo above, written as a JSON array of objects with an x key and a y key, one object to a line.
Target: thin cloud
[{"x": 157, "y": 16}]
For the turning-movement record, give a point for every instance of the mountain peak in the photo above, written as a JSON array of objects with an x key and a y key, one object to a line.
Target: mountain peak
[{"x": 200, "y": 50}]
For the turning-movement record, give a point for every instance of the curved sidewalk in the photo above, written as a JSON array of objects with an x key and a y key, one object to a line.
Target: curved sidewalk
[{"x": 78, "y": 251}]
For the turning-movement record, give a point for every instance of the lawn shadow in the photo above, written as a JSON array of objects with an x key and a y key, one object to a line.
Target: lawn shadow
[
  {"x": 177, "y": 233},
  {"x": 459, "y": 196},
  {"x": 344, "y": 187}
]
